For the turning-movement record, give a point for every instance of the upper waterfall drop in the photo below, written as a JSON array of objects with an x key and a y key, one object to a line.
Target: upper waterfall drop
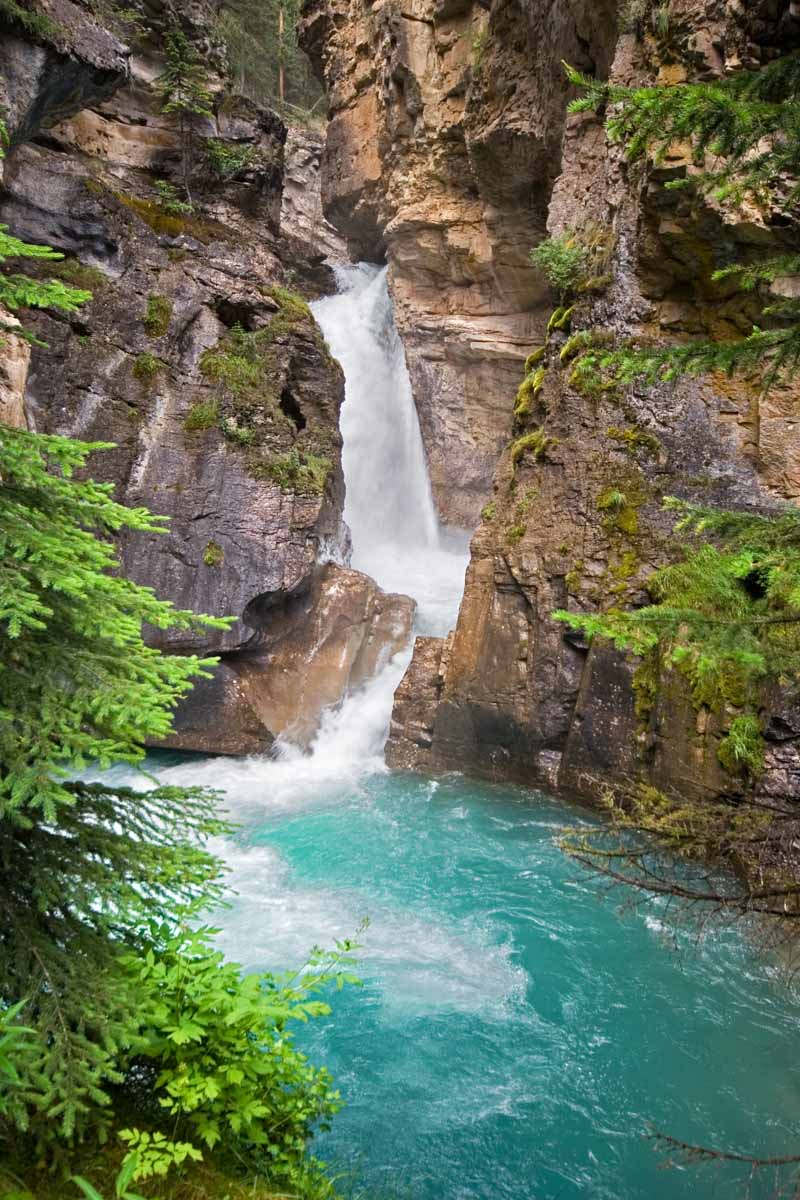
[{"x": 389, "y": 506}]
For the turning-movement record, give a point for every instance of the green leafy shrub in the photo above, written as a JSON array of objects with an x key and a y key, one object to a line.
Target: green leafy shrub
[
  {"x": 203, "y": 415},
  {"x": 226, "y": 1068},
  {"x": 741, "y": 751},
  {"x": 226, "y": 159},
  {"x": 575, "y": 260},
  {"x": 243, "y": 435},
  {"x": 563, "y": 260},
  {"x": 147, "y": 366},
  {"x": 169, "y": 199},
  {"x": 489, "y": 511},
  {"x": 157, "y": 315}
]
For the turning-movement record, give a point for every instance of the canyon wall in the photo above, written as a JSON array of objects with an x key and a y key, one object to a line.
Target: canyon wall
[
  {"x": 195, "y": 357},
  {"x": 449, "y": 152},
  {"x": 441, "y": 154}
]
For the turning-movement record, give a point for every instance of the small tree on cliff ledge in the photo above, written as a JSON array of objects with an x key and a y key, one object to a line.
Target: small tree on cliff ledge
[
  {"x": 183, "y": 86},
  {"x": 728, "y": 615}
]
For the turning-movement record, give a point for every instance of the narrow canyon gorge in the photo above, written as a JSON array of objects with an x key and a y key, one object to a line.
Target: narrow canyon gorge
[{"x": 351, "y": 296}]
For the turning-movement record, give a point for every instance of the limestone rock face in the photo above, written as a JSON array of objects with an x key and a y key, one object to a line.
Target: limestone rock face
[
  {"x": 14, "y": 363},
  {"x": 81, "y": 63},
  {"x": 441, "y": 153},
  {"x": 307, "y": 239},
  {"x": 314, "y": 648},
  {"x": 194, "y": 357},
  {"x": 576, "y": 520}
]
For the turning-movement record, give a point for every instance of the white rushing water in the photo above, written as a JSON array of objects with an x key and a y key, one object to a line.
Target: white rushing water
[
  {"x": 389, "y": 507},
  {"x": 396, "y": 539}
]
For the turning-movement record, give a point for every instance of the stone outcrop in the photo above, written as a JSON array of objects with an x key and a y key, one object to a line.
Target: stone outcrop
[
  {"x": 441, "y": 153},
  {"x": 314, "y": 647},
  {"x": 309, "y": 244},
  {"x": 576, "y": 520},
  {"x": 195, "y": 357}
]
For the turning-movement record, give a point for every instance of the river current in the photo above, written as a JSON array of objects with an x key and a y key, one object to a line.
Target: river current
[{"x": 516, "y": 1031}]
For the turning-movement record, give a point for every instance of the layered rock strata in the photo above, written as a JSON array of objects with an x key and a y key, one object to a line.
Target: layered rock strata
[
  {"x": 576, "y": 519},
  {"x": 195, "y": 357}
]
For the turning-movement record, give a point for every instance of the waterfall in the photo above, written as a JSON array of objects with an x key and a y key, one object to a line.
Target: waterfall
[
  {"x": 396, "y": 538},
  {"x": 389, "y": 507}
]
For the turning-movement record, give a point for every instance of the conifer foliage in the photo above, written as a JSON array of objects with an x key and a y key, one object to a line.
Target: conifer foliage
[
  {"x": 744, "y": 132},
  {"x": 120, "y": 1024},
  {"x": 728, "y": 614},
  {"x": 81, "y": 863},
  {"x": 183, "y": 86}
]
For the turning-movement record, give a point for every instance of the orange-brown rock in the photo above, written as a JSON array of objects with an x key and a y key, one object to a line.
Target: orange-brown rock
[
  {"x": 313, "y": 649},
  {"x": 516, "y": 694},
  {"x": 441, "y": 154}
]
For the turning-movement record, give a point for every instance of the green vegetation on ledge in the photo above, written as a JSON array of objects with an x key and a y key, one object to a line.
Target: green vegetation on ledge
[{"x": 157, "y": 315}]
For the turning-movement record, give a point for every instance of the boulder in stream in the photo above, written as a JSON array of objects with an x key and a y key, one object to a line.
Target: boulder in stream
[{"x": 313, "y": 649}]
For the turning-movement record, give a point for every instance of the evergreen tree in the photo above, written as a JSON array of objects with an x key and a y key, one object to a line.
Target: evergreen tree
[
  {"x": 183, "y": 87},
  {"x": 82, "y": 866},
  {"x": 111, "y": 1010},
  {"x": 258, "y": 52},
  {"x": 728, "y": 615},
  {"x": 748, "y": 127}
]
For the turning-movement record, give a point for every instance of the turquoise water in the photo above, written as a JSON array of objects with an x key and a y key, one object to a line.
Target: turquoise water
[{"x": 515, "y": 1032}]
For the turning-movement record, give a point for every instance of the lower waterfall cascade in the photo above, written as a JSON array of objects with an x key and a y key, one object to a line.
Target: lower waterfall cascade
[{"x": 514, "y": 1034}]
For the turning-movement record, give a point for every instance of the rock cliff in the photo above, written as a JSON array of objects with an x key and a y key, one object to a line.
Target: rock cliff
[
  {"x": 511, "y": 693},
  {"x": 441, "y": 154},
  {"x": 194, "y": 356}
]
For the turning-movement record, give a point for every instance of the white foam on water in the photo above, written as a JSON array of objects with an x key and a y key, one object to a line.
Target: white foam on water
[
  {"x": 389, "y": 507},
  {"x": 420, "y": 962},
  {"x": 419, "y": 959}
]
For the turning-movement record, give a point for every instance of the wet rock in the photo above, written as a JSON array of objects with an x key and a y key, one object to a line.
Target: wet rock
[
  {"x": 218, "y": 718},
  {"x": 313, "y": 649},
  {"x": 415, "y": 705}
]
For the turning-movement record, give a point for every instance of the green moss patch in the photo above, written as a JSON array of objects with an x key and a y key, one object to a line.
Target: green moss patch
[
  {"x": 170, "y": 224},
  {"x": 635, "y": 441},
  {"x": 203, "y": 415},
  {"x": 213, "y": 555},
  {"x": 158, "y": 315},
  {"x": 537, "y": 444},
  {"x": 296, "y": 471}
]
